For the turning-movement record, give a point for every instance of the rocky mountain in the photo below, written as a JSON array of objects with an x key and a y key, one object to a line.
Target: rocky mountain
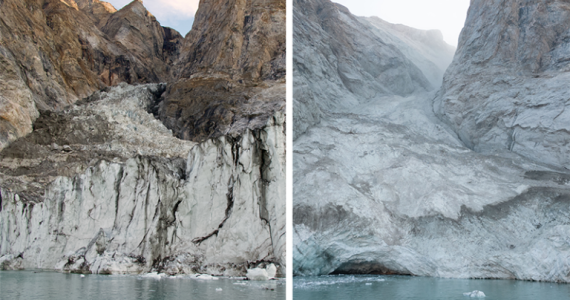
[
  {"x": 506, "y": 88},
  {"x": 98, "y": 11},
  {"x": 336, "y": 69},
  {"x": 384, "y": 186},
  {"x": 105, "y": 184},
  {"x": 53, "y": 54},
  {"x": 231, "y": 80}
]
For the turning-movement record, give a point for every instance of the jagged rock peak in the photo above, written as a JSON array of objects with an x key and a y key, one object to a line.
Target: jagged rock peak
[
  {"x": 70, "y": 3},
  {"x": 92, "y": 3},
  {"x": 231, "y": 71},
  {"x": 136, "y": 6},
  {"x": 99, "y": 11},
  {"x": 239, "y": 38}
]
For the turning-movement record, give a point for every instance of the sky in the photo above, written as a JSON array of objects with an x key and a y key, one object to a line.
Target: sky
[
  {"x": 177, "y": 14},
  {"x": 445, "y": 15}
]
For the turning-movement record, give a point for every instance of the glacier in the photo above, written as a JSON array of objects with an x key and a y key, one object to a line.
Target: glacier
[{"x": 384, "y": 183}]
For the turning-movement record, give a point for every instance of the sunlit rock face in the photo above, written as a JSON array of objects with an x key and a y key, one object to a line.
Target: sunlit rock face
[
  {"x": 55, "y": 52},
  {"x": 103, "y": 183},
  {"x": 383, "y": 186},
  {"x": 99, "y": 11},
  {"x": 231, "y": 73},
  {"x": 507, "y": 86}
]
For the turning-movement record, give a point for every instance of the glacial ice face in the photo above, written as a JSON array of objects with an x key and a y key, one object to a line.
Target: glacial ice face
[
  {"x": 145, "y": 200},
  {"x": 383, "y": 186},
  {"x": 507, "y": 86},
  {"x": 387, "y": 189}
]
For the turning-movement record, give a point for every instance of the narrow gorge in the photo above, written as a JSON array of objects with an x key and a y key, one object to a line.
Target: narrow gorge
[
  {"x": 430, "y": 160},
  {"x": 128, "y": 148}
]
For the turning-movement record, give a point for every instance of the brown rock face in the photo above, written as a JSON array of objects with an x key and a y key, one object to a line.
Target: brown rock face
[
  {"x": 55, "y": 51},
  {"x": 228, "y": 72},
  {"x": 98, "y": 11},
  {"x": 230, "y": 75},
  {"x": 244, "y": 38},
  {"x": 139, "y": 32}
]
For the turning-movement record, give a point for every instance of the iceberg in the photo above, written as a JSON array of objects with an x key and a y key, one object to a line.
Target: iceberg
[{"x": 475, "y": 294}]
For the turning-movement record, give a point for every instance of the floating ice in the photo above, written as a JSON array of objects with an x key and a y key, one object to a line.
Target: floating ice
[
  {"x": 153, "y": 275},
  {"x": 262, "y": 274},
  {"x": 218, "y": 289},
  {"x": 257, "y": 274},
  {"x": 475, "y": 294},
  {"x": 82, "y": 276},
  {"x": 206, "y": 277},
  {"x": 271, "y": 270}
]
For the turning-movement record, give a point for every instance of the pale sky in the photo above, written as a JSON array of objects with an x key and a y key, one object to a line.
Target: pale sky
[
  {"x": 445, "y": 15},
  {"x": 177, "y": 14}
]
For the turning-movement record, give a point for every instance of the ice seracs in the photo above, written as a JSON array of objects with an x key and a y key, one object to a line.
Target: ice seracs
[{"x": 129, "y": 184}]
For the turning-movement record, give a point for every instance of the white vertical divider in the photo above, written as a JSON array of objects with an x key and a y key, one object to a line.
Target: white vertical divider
[{"x": 289, "y": 165}]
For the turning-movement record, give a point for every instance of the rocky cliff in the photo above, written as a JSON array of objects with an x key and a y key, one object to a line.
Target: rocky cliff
[
  {"x": 336, "y": 68},
  {"x": 506, "y": 88},
  {"x": 230, "y": 80},
  {"x": 53, "y": 53},
  {"x": 107, "y": 187},
  {"x": 399, "y": 192}
]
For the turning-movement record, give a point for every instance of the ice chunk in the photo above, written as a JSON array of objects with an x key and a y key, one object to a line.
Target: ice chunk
[
  {"x": 475, "y": 294},
  {"x": 271, "y": 270},
  {"x": 153, "y": 275},
  {"x": 218, "y": 289},
  {"x": 257, "y": 274},
  {"x": 206, "y": 277}
]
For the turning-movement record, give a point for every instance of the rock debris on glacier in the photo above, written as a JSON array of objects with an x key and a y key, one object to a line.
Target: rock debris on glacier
[{"x": 129, "y": 197}]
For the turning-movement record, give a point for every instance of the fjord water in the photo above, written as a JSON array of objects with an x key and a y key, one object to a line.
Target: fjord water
[
  {"x": 52, "y": 285},
  {"x": 421, "y": 288}
]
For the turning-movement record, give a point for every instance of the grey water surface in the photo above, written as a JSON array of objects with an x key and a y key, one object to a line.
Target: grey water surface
[
  {"x": 52, "y": 285},
  {"x": 364, "y": 287}
]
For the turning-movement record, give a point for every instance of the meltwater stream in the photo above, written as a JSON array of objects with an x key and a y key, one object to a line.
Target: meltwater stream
[
  {"x": 50, "y": 285},
  {"x": 365, "y": 287}
]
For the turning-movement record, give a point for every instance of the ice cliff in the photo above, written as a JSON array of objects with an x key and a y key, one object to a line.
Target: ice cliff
[
  {"x": 107, "y": 182},
  {"x": 382, "y": 185},
  {"x": 106, "y": 188}
]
